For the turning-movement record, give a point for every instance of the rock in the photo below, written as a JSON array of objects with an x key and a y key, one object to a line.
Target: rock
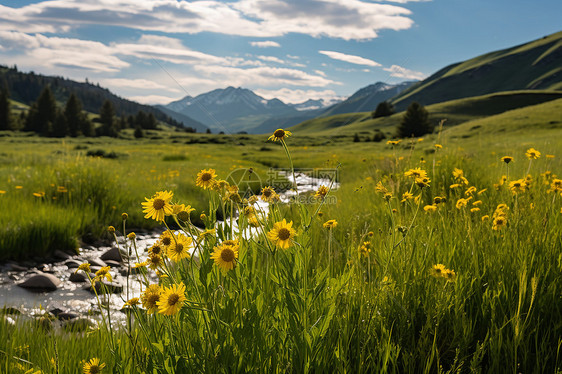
[
  {"x": 110, "y": 287},
  {"x": 58, "y": 254},
  {"x": 41, "y": 282},
  {"x": 16, "y": 267},
  {"x": 96, "y": 262},
  {"x": 113, "y": 254},
  {"x": 72, "y": 264},
  {"x": 56, "y": 310},
  {"x": 9, "y": 321},
  {"x": 113, "y": 264},
  {"x": 66, "y": 316},
  {"x": 78, "y": 277},
  {"x": 46, "y": 268}
]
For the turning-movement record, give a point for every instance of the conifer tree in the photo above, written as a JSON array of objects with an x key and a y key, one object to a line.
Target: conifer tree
[
  {"x": 415, "y": 122},
  {"x": 74, "y": 115},
  {"x": 384, "y": 109},
  {"x": 6, "y": 122},
  {"x": 107, "y": 119},
  {"x": 42, "y": 113}
]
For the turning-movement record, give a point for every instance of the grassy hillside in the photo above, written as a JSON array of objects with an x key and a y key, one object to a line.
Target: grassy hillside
[
  {"x": 537, "y": 117},
  {"x": 534, "y": 65},
  {"x": 455, "y": 111}
]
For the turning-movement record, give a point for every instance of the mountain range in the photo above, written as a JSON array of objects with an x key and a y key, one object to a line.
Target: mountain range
[{"x": 240, "y": 109}]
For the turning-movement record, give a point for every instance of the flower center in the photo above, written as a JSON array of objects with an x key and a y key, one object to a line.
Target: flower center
[
  {"x": 437, "y": 270},
  {"x": 284, "y": 234},
  {"x": 158, "y": 204},
  {"x": 173, "y": 299},
  {"x": 153, "y": 299},
  {"x": 166, "y": 241},
  {"x": 227, "y": 255},
  {"x": 94, "y": 369},
  {"x": 156, "y": 249},
  {"x": 279, "y": 133},
  {"x": 179, "y": 248},
  {"x": 206, "y": 177},
  {"x": 267, "y": 193}
]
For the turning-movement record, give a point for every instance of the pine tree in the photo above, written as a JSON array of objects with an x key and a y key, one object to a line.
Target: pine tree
[
  {"x": 87, "y": 127},
  {"x": 59, "y": 126},
  {"x": 151, "y": 122},
  {"x": 74, "y": 115},
  {"x": 6, "y": 122},
  {"x": 42, "y": 113},
  {"x": 138, "y": 132},
  {"x": 107, "y": 119},
  {"x": 415, "y": 122},
  {"x": 384, "y": 109}
]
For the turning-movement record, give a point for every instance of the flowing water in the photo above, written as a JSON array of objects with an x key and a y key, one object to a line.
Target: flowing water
[{"x": 74, "y": 297}]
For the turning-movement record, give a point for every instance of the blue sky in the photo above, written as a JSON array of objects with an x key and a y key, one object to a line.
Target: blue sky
[{"x": 156, "y": 51}]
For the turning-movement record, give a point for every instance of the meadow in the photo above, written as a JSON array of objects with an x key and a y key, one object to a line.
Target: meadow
[{"x": 456, "y": 273}]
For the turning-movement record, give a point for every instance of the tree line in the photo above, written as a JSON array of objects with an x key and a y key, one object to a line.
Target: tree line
[
  {"x": 25, "y": 87},
  {"x": 46, "y": 118}
]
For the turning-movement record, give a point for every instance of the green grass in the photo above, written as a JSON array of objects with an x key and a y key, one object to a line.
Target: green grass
[
  {"x": 455, "y": 111},
  {"x": 319, "y": 306}
]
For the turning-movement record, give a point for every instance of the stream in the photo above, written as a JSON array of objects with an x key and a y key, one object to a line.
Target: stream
[{"x": 72, "y": 300}]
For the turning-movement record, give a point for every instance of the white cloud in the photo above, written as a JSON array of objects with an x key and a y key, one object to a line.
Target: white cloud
[
  {"x": 138, "y": 84},
  {"x": 345, "y": 19},
  {"x": 352, "y": 59},
  {"x": 401, "y": 72},
  {"x": 288, "y": 95},
  {"x": 153, "y": 99},
  {"x": 271, "y": 59},
  {"x": 265, "y": 44},
  {"x": 262, "y": 76},
  {"x": 63, "y": 53}
]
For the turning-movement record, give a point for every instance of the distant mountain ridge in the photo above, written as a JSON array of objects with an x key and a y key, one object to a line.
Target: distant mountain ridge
[
  {"x": 240, "y": 109},
  {"x": 232, "y": 109},
  {"x": 534, "y": 65},
  {"x": 367, "y": 98},
  {"x": 26, "y": 87}
]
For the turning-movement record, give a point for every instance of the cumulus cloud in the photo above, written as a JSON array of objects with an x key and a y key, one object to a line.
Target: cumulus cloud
[
  {"x": 352, "y": 59},
  {"x": 265, "y": 44},
  {"x": 63, "y": 52},
  {"x": 345, "y": 19},
  {"x": 297, "y": 96},
  {"x": 262, "y": 76},
  {"x": 401, "y": 72}
]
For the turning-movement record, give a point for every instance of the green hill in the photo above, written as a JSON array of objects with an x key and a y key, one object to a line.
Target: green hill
[
  {"x": 534, "y": 65},
  {"x": 455, "y": 111},
  {"x": 530, "y": 119}
]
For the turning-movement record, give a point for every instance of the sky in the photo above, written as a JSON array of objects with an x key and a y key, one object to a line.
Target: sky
[{"x": 158, "y": 51}]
